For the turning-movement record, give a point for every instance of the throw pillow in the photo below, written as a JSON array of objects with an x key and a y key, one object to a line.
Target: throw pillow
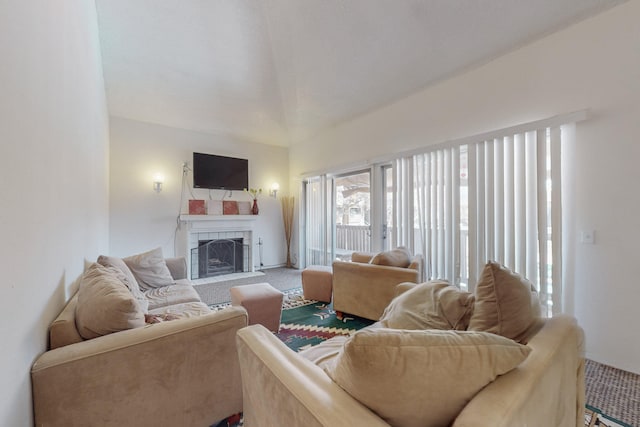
[
  {"x": 431, "y": 305},
  {"x": 421, "y": 378},
  {"x": 506, "y": 304},
  {"x": 105, "y": 305},
  {"x": 399, "y": 257},
  {"x": 127, "y": 277},
  {"x": 150, "y": 269}
]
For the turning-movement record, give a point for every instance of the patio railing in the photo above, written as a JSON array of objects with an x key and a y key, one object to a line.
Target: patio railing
[{"x": 353, "y": 238}]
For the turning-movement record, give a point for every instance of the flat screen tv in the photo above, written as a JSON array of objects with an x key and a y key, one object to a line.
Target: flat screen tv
[{"x": 220, "y": 172}]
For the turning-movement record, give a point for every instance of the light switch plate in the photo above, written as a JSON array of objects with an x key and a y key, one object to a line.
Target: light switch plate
[{"x": 588, "y": 237}]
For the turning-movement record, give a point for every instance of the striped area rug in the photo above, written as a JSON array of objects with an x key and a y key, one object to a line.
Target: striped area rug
[
  {"x": 292, "y": 298},
  {"x": 308, "y": 323},
  {"x": 594, "y": 417}
]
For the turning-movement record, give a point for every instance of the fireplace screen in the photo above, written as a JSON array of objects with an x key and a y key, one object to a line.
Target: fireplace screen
[{"x": 217, "y": 257}]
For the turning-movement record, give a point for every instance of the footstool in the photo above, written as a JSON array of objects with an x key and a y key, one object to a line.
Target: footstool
[
  {"x": 263, "y": 303},
  {"x": 317, "y": 283}
]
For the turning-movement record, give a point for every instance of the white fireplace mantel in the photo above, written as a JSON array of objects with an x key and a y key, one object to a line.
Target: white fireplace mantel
[
  {"x": 218, "y": 222},
  {"x": 199, "y": 227}
]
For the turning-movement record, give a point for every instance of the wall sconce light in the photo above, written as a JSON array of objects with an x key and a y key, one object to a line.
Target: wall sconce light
[
  {"x": 273, "y": 192},
  {"x": 158, "y": 179}
]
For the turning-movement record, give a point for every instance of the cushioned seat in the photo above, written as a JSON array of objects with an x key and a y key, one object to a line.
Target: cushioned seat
[
  {"x": 263, "y": 304},
  {"x": 171, "y": 295},
  {"x": 184, "y": 310},
  {"x": 317, "y": 283}
]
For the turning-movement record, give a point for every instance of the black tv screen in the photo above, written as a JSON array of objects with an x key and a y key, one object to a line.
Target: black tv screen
[{"x": 220, "y": 172}]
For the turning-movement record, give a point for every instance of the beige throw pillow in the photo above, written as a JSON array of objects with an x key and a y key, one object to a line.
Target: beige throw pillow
[
  {"x": 399, "y": 257},
  {"x": 127, "y": 277},
  {"x": 421, "y": 378},
  {"x": 506, "y": 304},
  {"x": 105, "y": 305},
  {"x": 431, "y": 305},
  {"x": 150, "y": 269}
]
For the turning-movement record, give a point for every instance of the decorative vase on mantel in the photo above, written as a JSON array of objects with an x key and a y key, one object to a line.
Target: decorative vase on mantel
[{"x": 254, "y": 193}]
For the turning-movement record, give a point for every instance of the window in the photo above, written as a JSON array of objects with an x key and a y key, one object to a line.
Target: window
[
  {"x": 495, "y": 197},
  {"x": 338, "y": 212}
]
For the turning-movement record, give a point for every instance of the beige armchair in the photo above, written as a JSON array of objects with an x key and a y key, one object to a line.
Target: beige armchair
[{"x": 365, "y": 289}]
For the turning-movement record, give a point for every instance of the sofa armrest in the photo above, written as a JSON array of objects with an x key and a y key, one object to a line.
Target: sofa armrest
[
  {"x": 177, "y": 267},
  {"x": 365, "y": 290},
  {"x": 417, "y": 263},
  {"x": 281, "y": 388},
  {"x": 63, "y": 330},
  {"x": 363, "y": 257},
  {"x": 546, "y": 389},
  {"x": 182, "y": 372}
]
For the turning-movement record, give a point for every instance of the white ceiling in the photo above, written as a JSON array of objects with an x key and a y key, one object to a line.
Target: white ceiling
[{"x": 278, "y": 71}]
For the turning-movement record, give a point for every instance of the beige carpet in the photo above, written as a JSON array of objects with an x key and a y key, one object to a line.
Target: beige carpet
[
  {"x": 614, "y": 392},
  {"x": 280, "y": 278}
]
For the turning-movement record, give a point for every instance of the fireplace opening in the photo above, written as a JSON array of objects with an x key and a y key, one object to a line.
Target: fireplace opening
[{"x": 219, "y": 256}]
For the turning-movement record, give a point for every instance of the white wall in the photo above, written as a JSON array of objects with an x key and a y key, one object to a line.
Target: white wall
[
  {"x": 141, "y": 219},
  {"x": 594, "y": 64},
  {"x": 53, "y": 168}
]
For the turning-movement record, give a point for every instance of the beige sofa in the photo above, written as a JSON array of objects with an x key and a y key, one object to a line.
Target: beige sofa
[
  {"x": 439, "y": 356},
  {"x": 364, "y": 289},
  {"x": 282, "y": 387},
  {"x": 182, "y": 372}
]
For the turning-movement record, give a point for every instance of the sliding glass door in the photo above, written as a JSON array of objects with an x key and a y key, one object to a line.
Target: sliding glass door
[
  {"x": 338, "y": 216},
  {"x": 352, "y": 214}
]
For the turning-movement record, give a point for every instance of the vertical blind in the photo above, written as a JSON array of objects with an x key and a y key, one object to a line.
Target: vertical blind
[
  {"x": 510, "y": 215},
  {"x": 437, "y": 209},
  {"x": 318, "y": 234},
  {"x": 495, "y": 199},
  {"x": 401, "y": 232}
]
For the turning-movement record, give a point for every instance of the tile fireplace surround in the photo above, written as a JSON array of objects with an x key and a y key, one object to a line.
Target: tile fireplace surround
[{"x": 195, "y": 228}]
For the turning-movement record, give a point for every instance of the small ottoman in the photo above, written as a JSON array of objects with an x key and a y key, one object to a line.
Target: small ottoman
[
  {"x": 317, "y": 283},
  {"x": 263, "y": 303}
]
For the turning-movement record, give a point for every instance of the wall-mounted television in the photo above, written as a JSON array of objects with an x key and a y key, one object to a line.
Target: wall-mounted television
[{"x": 220, "y": 172}]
